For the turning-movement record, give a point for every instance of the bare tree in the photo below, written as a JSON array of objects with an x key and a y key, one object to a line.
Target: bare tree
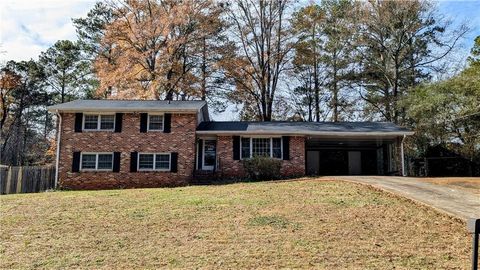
[{"x": 262, "y": 32}]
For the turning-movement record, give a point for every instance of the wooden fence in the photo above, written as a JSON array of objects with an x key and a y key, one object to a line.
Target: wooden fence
[{"x": 26, "y": 179}]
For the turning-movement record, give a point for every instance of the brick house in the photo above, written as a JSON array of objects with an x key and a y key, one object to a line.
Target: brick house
[{"x": 132, "y": 143}]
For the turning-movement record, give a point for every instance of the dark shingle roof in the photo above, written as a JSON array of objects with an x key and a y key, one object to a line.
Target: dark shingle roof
[
  {"x": 109, "y": 105},
  {"x": 302, "y": 127}
]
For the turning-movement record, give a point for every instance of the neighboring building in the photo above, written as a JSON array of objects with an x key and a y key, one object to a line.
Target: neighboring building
[{"x": 131, "y": 143}]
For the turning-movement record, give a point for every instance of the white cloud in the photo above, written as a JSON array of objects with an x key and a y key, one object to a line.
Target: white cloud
[{"x": 28, "y": 27}]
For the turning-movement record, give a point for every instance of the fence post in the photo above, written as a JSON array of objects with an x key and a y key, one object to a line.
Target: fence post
[
  {"x": 473, "y": 227},
  {"x": 19, "y": 179},
  {"x": 8, "y": 185}
]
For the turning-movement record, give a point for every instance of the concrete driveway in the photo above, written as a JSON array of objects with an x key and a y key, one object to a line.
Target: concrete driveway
[{"x": 458, "y": 203}]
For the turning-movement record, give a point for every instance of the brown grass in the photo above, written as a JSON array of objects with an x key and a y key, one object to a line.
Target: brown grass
[
  {"x": 471, "y": 184},
  {"x": 302, "y": 224}
]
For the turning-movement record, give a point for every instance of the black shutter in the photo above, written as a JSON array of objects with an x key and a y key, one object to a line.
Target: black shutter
[
  {"x": 116, "y": 162},
  {"x": 78, "y": 122},
  {"x": 76, "y": 162},
  {"x": 143, "y": 122},
  {"x": 174, "y": 162},
  {"x": 236, "y": 147},
  {"x": 200, "y": 154},
  {"x": 167, "y": 122},
  {"x": 286, "y": 147},
  {"x": 133, "y": 161},
  {"x": 118, "y": 122}
]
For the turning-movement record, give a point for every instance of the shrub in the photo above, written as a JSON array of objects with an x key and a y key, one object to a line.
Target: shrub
[{"x": 262, "y": 168}]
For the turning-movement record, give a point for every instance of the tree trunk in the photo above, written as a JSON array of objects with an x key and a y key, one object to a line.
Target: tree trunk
[
  {"x": 395, "y": 93},
  {"x": 204, "y": 70},
  {"x": 315, "y": 78},
  {"x": 335, "y": 89}
]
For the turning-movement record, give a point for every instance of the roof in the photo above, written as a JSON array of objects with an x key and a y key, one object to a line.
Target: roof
[
  {"x": 110, "y": 105},
  {"x": 303, "y": 128}
]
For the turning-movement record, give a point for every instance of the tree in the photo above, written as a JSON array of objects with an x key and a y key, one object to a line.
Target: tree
[
  {"x": 9, "y": 81},
  {"x": 400, "y": 42},
  {"x": 64, "y": 70},
  {"x": 474, "y": 58},
  {"x": 261, "y": 31},
  {"x": 90, "y": 32},
  {"x": 325, "y": 47},
  {"x": 307, "y": 24},
  {"x": 337, "y": 55},
  {"x": 154, "y": 48},
  {"x": 23, "y": 97},
  {"x": 447, "y": 112}
]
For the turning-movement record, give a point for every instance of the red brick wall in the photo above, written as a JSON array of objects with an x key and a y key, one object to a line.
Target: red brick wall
[
  {"x": 180, "y": 140},
  {"x": 228, "y": 167}
]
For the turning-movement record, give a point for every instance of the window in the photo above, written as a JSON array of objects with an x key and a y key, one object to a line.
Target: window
[
  {"x": 105, "y": 161},
  {"x": 107, "y": 121},
  {"x": 270, "y": 147},
  {"x": 90, "y": 122},
  {"x": 89, "y": 161},
  {"x": 145, "y": 161},
  {"x": 162, "y": 162},
  {"x": 99, "y": 122},
  {"x": 155, "y": 122},
  {"x": 245, "y": 147},
  {"x": 157, "y": 162},
  {"x": 277, "y": 147},
  {"x": 97, "y": 161},
  {"x": 261, "y": 147}
]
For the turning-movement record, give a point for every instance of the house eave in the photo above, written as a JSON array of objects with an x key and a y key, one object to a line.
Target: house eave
[
  {"x": 305, "y": 133},
  {"x": 123, "y": 110}
]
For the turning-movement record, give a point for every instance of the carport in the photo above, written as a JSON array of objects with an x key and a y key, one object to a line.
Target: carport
[{"x": 352, "y": 155}]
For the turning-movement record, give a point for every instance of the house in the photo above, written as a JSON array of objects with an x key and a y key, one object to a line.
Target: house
[{"x": 133, "y": 143}]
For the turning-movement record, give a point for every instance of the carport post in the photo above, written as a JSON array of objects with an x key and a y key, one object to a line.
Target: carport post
[
  {"x": 402, "y": 156},
  {"x": 473, "y": 227}
]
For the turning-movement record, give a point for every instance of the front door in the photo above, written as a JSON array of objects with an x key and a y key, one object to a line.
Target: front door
[{"x": 209, "y": 154}]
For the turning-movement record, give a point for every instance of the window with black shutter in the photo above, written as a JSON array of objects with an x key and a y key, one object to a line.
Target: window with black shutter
[
  {"x": 143, "y": 122},
  {"x": 167, "y": 118},
  {"x": 286, "y": 147},
  {"x": 236, "y": 147},
  {"x": 133, "y": 161},
  {"x": 76, "y": 162},
  {"x": 78, "y": 122},
  {"x": 116, "y": 161},
  {"x": 118, "y": 122},
  {"x": 174, "y": 162}
]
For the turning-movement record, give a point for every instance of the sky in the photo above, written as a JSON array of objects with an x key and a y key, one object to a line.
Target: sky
[{"x": 28, "y": 27}]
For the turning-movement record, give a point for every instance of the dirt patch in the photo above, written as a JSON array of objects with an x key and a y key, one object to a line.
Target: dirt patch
[{"x": 471, "y": 184}]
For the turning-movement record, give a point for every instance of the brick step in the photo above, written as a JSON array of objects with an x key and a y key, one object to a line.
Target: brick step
[{"x": 204, "y": 176}]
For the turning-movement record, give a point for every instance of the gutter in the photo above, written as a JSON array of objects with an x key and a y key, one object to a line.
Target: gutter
[
  {"x": 57, "y": 159},
  {"x": 303, "y": 133},
  {"x": 122, "y": 110}
]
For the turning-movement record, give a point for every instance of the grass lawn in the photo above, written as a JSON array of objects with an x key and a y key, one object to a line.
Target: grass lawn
[
  {"x": 295, "y": 224},
  {"x": 471, "y": 184}
]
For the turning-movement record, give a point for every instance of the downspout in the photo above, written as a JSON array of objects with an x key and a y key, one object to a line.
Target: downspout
[
  {"x": 57, "y": 159},
  {"x": 402, "y": 155}
]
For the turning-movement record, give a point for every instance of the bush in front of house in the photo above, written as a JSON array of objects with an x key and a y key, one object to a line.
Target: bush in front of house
[{"x": 262, "y": 168}]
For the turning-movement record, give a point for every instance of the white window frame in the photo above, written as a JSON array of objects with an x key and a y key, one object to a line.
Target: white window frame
[
  {"x": 154, "y": 162},
  {"x": 261, "y": 137},
  {"x": 163, "y": 122},
  {"x": 96, "y": 161},
  {"x": 99, "y": 122}
]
